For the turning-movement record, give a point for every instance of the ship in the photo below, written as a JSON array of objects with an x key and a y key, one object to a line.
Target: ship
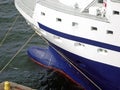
[{"x": 83, "y": 37}]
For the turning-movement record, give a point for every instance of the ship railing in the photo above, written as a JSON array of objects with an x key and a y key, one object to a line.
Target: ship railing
[
  {"x": 24, "y": 7},
  {"x": 91, "y": 4},
  {"x": 117, "y": 1},
  {"x": 56, "y": 5}
]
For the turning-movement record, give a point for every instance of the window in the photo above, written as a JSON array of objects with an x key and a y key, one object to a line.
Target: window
[
  {"x": 42, "y": 13},
  {"x": 94, "y": 28},
  {"x": 109, "y": 32},
  {"x": 79, "y": 44},
  {"x": 58, "y": 19},
  {"x": 116, "y": 12},
  {"x": 100, "y": 1},
  {"x": 74, "y": 24},
  {"x": 102, "y": 51}
]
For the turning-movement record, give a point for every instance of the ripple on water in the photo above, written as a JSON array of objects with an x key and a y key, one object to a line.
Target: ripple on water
[{"x": 22, "y": 70}]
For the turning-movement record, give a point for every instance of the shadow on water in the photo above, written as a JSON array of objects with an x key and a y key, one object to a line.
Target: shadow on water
[{"x": 22, "y": 70}]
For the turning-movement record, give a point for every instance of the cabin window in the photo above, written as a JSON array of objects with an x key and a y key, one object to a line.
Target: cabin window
[
  {"x": 102, "y": 51},
  {"x": 42, "y": 13},
  {"x": 100, "y": 1},
  {"x": 79, "y": 44},
  {"x": 94, "y": 28},
  {"x": 58, "y": 19},
  {"x": 74, "y": 24},
  {"x": 109, "y": 32},
  {"x": 116, "y": 12}
]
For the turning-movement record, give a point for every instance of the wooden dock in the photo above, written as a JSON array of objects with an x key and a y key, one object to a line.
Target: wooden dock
[{"x": 13, "y": 86}]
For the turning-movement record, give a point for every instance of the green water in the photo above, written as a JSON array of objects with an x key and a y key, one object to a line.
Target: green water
[{"x": 21, "y": 69}]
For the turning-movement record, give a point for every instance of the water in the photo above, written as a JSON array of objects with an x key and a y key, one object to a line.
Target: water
[{"x": 22, "y": 70}]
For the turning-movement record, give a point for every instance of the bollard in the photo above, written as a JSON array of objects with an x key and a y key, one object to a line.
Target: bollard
[{"x": 6, "y": 85}]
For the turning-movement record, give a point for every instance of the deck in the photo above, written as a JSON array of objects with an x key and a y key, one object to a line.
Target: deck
[
  {"x": 26, "y": 5},
  {"x": 56, "y": 5}
]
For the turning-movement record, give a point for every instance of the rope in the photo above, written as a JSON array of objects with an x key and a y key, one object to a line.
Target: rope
[
  {"x": 77, "y": 69},
  {"x": 69, "y": 61},
  {"x": 5, "y": 36},
  {"x": 17, "y": 53}
]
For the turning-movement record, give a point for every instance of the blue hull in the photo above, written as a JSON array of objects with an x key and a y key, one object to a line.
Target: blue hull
[
  {"x": 49, "y": 58},
  {"x": 106, "y": 77}
]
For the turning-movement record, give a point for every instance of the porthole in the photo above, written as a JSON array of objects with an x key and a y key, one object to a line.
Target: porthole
[
  {"x": 42, "y": 13},
  {"x": 94, "y": 28},
  {"x": 109, "y": 32},
  {"x": 74, "y": 24},
  {"x": 79, "y": 44},
  {"x": 58, "y": 19},
  {"x": 100, "y": 1},
  {"x": 102, "y": 51},
  {"x": 116, "y": 12}
]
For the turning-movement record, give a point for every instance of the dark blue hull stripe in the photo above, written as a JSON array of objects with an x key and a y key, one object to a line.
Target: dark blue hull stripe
[
  {"x": 105, "y": 76},
  {"x": 80, "y": 39}
]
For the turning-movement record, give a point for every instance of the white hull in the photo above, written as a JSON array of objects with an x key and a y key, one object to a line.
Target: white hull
[
  {"x": 82, "y": 33},
  {"x": 83, "y": 30}
]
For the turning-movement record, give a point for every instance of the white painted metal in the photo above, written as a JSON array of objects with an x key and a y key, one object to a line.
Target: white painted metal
[{"x": 105, "y": 29}]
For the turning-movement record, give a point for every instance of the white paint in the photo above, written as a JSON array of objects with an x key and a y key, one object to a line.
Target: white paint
[{"x": 83, "y": 29}]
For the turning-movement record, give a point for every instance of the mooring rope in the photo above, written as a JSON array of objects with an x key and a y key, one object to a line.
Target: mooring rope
[
  {"x": 69, "y": 61},
  {"x": 5, "y": 36},
  {"x": 17, "y": 52}
]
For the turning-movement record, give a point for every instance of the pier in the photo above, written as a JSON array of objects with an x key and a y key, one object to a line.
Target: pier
[{"x": 13, "y": 86}]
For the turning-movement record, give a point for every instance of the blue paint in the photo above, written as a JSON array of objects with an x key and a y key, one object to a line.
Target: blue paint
[
  {"x": 49, "y": 57},
  {"x": 104, "y": 75},
  {"x": 80, "y": 39}
]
